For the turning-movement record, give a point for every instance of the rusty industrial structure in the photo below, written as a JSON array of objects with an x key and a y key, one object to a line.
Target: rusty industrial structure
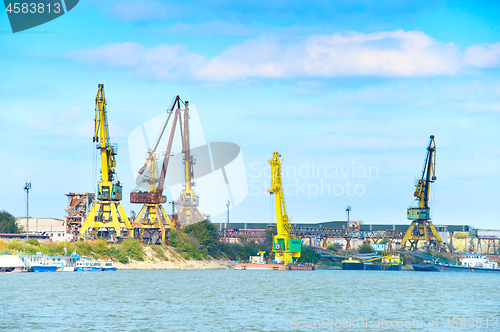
[
  {"x": 320, "y": 235},
  {"x": 152, "y": 217},
  {"x": 78, "y": 207}
]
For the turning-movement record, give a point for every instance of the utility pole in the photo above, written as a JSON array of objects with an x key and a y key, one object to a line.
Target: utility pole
[
  {"x": 27, "y": 187},
  {"x": 348, "y": 209},
  {"x": 173, "y": 207},
  {"x": 228, "y": 204}
]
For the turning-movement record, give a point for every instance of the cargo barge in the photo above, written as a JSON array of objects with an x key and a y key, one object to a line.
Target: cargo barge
[
  {"x": 264, "y": 266},
  {"x": 390, "y": 262},
  {"x": 470, "y": 263}
]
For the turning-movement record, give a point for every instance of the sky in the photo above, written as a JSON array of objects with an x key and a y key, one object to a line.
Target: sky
[{"x": 347, "y": 91}]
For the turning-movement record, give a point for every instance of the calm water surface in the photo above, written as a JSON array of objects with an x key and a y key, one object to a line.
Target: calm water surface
[{"x": 229, "y": 300}]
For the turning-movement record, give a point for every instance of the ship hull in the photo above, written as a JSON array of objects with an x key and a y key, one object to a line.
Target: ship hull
[
  {"x": 431, "y": 267},
  {"x": 260, "y": 266},
  {"x": 370, "y": 267}
]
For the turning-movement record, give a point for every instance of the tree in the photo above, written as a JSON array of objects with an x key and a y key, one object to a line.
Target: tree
[
  {"x": 334, "y": 247},
  {"x": 8, "y": 223},
  {"x": 268, "y": 242},
  {"x": 365, "y": 248}
]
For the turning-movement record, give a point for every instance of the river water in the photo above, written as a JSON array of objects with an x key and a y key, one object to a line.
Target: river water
[{"x": 230, "y": 300}]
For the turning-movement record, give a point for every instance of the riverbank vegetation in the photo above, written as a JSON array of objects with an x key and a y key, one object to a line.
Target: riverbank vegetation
[
  {"x": 8, "y": 223},
  {"x": 199, "y": 241}
]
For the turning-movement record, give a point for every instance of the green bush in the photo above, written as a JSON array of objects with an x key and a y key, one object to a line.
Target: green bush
[
  {"x": 33, "y": 242},
  {"x": 133, "y": 249},
  {"x": 205, "y": 236},
  {"x": 84, "y": 249},
  {"x": 365, "y": 248},
  {"x": 159, "y": 253},
  {"x": 308, "y": 256},
  {"x": 334, "y": 247},
  {"x": 180, "y": 241},
  {"x": 101, "y": 248}
]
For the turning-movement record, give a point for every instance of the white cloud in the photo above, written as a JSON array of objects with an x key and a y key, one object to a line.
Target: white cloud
[
  {"x": 160, "y": 62},
  {"x": 390, "y": 54},
  {"x": 483, "y": 56},
  {"x": 383, "y": 54}
]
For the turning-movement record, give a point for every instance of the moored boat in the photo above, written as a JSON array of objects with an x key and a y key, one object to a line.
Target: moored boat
[
  {"x": 108, "y": 266},
  {"x": 271, "y": 266},
  {"x": 87, "y": 264},
  {"x": 11, "y": 263},
  {"x": 390, "y": 262},
  {"x": 55, "y": 264},
  {"x": 469, "y": 263}
]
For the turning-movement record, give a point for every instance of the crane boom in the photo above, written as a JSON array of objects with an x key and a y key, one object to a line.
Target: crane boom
[
  {"x": 422, "y": 227},
  {"x": 286, "y": 246},
  {"x": 108, "y": 188},
  {"x": 422, "y": 189},
  {"x": 106, "y": 213}
]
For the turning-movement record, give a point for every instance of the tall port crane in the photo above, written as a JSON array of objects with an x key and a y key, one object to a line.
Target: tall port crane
[
  {"x": 286, "y": 246},
  {"x": 421, "y": 228},
  {"x": 188, "y": 202},
  {"x": 106, "y": 214},
  {"x": 152, "y": 215}
]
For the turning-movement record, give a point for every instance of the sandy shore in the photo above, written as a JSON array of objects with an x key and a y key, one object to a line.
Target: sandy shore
[{"x": 173, "y": 261}]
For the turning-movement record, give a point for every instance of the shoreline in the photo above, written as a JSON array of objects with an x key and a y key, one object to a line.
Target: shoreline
[{"x": 171, "y": 261}]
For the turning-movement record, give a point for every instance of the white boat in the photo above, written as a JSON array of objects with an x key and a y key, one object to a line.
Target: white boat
[
  {"x": 87, "y": 264},
  {"x": 108, "y": 266},
  {"x": 481, "y": 261},
  {"x": 11, "y": 263},
  {"x": 56, "y": 264}
]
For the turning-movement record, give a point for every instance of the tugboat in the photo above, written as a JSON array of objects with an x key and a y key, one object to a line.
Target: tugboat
[{"x": 469, "y": 263}]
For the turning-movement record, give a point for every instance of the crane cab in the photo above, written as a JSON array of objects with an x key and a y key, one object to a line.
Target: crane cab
[{"x": 110, "y": 193}]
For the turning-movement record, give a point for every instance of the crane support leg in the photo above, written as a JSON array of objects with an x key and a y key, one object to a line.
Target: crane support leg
[
  {"x": 114, "y": 217},
  {"x": 104, "y": 214},
  {"x": 160, "y": 222},
  {"x": 419, "y": 231},
  {"x": 89, "y": 220},
  {"x": 170, "y": 224}
]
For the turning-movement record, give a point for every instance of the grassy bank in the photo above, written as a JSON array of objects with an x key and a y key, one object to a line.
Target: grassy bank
[
  {"x": 198, "y": 242},
  {"x": 98, "y": 249}
]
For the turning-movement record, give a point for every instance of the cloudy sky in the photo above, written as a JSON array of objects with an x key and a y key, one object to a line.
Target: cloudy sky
[{"x": 347, "y": 91}]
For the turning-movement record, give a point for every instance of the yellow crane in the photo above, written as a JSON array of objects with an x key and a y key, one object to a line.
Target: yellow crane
[
  {"x": 106, "y": 214},
  {"x": 421, "y": 228},
  {"x": 286, "y": 246},
  {"x": 188, "y": 211}
]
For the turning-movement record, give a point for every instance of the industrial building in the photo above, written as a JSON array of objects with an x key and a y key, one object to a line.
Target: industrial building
[{"x": 54, "y": 228}]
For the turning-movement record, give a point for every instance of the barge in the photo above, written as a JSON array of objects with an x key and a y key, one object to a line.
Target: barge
[
  {"x": 392, "y": 262},
  {"x": 271, "y": 266},
  {"x": 469, "y": 263}
]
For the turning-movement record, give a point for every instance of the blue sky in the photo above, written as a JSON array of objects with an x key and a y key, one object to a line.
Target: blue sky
[{"x": 343, "y": 85}]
